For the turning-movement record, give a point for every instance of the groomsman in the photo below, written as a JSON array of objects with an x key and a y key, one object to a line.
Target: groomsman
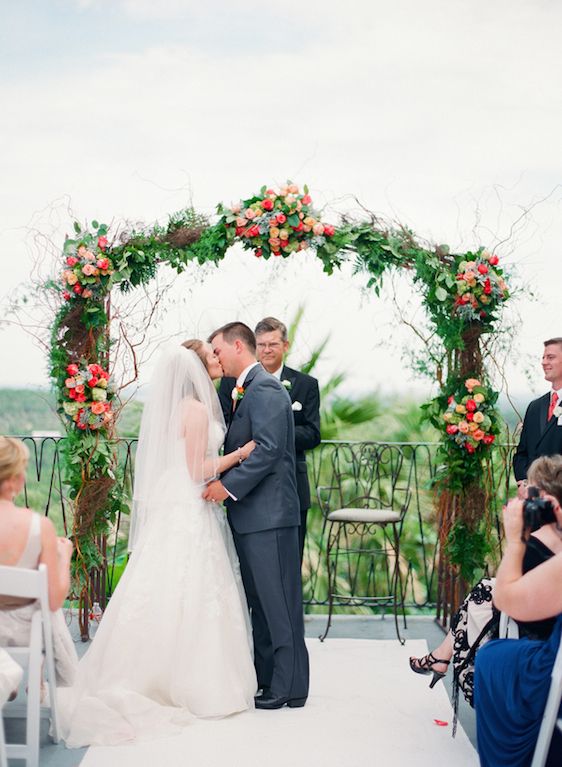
[
  {"x": 542, "y": 426},
  {"x": 272, "y": 345}
]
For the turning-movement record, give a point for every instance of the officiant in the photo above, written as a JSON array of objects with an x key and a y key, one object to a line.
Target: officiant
[{"x": 272, "y": 346}]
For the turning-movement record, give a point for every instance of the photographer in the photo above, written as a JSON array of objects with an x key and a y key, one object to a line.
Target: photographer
[
  {"x": 512, "y": 679},
  {"x": 477, "y": 620}
]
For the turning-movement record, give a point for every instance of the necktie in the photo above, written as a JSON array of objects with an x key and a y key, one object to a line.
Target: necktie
[{"x": 553, "y": 401}]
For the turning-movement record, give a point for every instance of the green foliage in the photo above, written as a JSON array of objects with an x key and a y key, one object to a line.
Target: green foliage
[{"x": 467, "y": 548}]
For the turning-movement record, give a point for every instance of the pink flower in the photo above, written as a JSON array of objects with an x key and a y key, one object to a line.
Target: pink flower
[
  {"x": 70, "y": 383},
  {"x": 66, "y": 295},
  {"x": 318, "y": 229},
  {"x": 236, "y": 208},
  {"x": 87, "y": 293},
  {"x": 483, "y": 269},
  {"x": 102, "y": 243},
  {"x": 306, "y": 199},
  {"x": 89, "y": 270},
  {"x": 102, "y": 263},
  {"x": 267, "y": 204},
  {"x": 71, "y": 260},
  {"x": 250, "y": 214},
  {"x": 329, "y": 230},
  {"x": 494, "y": 260},
  {"x": 72, "y": 369},
  {"x": 281, "y": 218},
  {"x": 452, "y": 429}
]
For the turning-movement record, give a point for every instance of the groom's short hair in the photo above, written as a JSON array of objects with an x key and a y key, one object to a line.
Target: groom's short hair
[
  {"x": 269, "y": 324},
  {"x": 552, "y": 341},
  {"x": 236, "y": 331}
]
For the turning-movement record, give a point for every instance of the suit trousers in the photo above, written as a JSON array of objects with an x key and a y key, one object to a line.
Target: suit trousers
[{"x": 270, "y": 566}]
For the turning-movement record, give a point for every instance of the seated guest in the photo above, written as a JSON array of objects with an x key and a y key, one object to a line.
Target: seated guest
[
  {"x": 477, "y": 620},
  {"x": 512, "y": 678},
  {"x": 28, "y": 540}
]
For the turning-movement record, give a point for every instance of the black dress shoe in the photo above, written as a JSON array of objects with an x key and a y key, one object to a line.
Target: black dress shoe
[{"x": 269, "y": 701}]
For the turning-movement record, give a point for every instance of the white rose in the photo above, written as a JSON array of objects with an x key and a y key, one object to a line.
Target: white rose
[{"x": 296, "y": 406}]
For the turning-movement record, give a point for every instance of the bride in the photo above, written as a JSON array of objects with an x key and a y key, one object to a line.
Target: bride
[{"x": 175, "y": 640}]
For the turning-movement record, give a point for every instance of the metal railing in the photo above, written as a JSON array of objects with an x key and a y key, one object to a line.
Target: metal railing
[{"x": 45, "y": 492}]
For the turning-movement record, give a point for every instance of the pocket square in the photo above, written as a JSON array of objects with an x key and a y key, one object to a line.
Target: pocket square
[{"x": 296, "y": 406}]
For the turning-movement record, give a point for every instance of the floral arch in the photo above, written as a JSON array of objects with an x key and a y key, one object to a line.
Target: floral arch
[{"x": 462, "y": 293}]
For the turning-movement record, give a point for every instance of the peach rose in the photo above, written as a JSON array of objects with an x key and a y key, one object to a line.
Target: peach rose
[
  {"x": 284, "y": 234},
  {"x": 98, "y": 408},
  {"x": 293, "y": 189},
  {"x": 478, "y": 434},
  {"x": 236, "y": 208},
  {"x": 89, "y": 270},
  {"x": 460, "y": 409},
  {"x": 479, "y": 398},
  {"x": 318, "y": 229},
  {"x": 478, "y": 417},
  {"x": 71, "y": 278},
  {"x": 274, "y": 231},
  {"x": 463, "y": 427}
]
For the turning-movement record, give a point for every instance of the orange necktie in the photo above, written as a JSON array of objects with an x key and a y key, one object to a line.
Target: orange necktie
[{"x": 553, "y": 401}]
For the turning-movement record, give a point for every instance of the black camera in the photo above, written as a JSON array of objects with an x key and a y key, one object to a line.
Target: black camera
[{"x": 537, "y": 512}]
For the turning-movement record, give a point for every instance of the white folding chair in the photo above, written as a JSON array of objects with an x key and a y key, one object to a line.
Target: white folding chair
[
  {"x": 10, "y": 677},
  {"x": 508, "y": 627},
  {"x": 550, "y": 718},
  {"x": 32, "y": 584}
]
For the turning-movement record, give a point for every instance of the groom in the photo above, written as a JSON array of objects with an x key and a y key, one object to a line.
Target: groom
[{"x": 263, "y": 511}]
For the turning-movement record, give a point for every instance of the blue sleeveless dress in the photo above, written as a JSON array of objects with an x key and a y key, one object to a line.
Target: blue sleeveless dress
[{"x": 512, "y": 680}]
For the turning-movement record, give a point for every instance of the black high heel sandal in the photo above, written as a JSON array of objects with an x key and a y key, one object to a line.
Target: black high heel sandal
[{"x": 425, "y": 666}]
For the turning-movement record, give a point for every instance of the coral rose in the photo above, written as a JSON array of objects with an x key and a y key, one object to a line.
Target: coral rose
[
  {"x": 463, "y": 427},
  {"x": 72, "y": 369},
  {"x": 98, "y": 408},
  {"x": 281, "y": 218},
  {"x": 483, "y": 269},
  {"x": 494, "y": 260},
  {"x": 478, "y": 435}
]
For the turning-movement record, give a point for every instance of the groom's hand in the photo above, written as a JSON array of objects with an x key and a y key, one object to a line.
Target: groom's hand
[{"x": 215, "y": 491}]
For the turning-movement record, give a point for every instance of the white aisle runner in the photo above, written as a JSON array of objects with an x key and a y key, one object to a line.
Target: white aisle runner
[{"x": 365, "y": 708}]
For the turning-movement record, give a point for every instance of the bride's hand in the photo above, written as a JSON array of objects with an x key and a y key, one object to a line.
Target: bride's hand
[{"x": 246, "y": 449}]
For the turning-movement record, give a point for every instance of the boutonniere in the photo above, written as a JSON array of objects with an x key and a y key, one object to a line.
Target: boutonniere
[
  {"x": 296, "y": 406},
  {"x": 238, "y": 393},
  {"x": 557, "y": 413},
  {"x": 287, "y": 384}
]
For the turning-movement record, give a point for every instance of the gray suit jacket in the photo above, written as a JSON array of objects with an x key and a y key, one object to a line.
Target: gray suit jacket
[{"x": 264, "y": 483}]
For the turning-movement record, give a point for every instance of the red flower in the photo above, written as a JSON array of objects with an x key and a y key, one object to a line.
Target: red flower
[
  {"x": 72, "y": 393},
  {"x": 329, "y": 230},
  {"x": 72, "y": 369},
  {"x": 77, "y": 288},
  {"x": 102, "y": 243},
  {"x": 71, "y": 260},
  {"x": 81, "y": 426},
  {"x": 487, "y": 439},
  {"x": 471, "y": 405},
  {"x": 487, "y": 286},
  {"x": 483, "y": 269},
  {"x": 102, "y": 263},
  {"x": 450, "y": 399},
  {"x": 80, "y": 397},
  {"x": 281, "y": 218},
  {"x": 298, "y": 228},
  {"x": 470, "y": 447},
  {"x": 494, "y": 260},
  {"x": 66, "y": 295},
  {"x": 482, "y": 314},
  {"x": 253, "y": 231},
  {"x": 267, "y": 204},
  {"x": 92, "y": 382},
  {"x": 269, "y": 191},
  {"x": 451, "y": 428},
  {"x": 306, "y": 199},
  {"x": 469, "y": 416},
  {"x": 239, "y": 231},
  {"x": 258, "y": 253},
  {"x": 460, "y": 276}
]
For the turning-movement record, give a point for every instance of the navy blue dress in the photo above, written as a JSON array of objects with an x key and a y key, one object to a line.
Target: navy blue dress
[{"x": 511, "y": 685}]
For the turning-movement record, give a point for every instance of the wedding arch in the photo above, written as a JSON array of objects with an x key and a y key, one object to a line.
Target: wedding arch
[{"x": 463, "y": 294}]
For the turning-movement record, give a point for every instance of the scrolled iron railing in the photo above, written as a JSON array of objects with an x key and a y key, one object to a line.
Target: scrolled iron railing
[{"x": 45, "y": 492}]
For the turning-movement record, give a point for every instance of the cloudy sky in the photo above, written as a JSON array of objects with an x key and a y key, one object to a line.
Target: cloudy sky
[{"x": 445, "y": 115}]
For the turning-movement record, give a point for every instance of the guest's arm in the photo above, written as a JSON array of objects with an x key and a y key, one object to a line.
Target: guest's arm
[
  {"x": 535, "y": 595},
  {"x": 55, "y": 553}
]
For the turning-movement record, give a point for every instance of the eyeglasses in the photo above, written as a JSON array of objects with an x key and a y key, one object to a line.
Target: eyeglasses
[{"x": 272, "y": 345}]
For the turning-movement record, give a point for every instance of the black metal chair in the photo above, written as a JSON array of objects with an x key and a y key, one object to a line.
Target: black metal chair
[{"x": 364, "y": 505}]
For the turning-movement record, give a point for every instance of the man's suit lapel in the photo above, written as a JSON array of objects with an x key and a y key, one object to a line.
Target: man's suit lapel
[
  {"x": 544, "y": 425},
  {"x": 288, "y": 375},
  {"x": 249, "y": 378}
]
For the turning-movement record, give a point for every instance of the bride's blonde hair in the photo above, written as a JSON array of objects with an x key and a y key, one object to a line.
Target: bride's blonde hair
[{"x": 14, "y": 456}]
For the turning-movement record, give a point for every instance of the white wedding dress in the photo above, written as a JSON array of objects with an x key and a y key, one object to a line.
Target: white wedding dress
[{"x": 175, "y": 641}]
